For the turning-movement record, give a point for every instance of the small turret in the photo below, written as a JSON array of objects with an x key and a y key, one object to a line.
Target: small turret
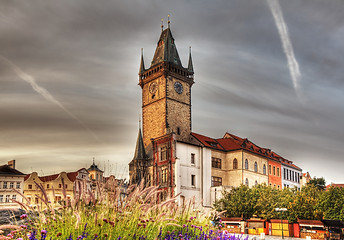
[
  {"x": 190, "y": 65},
  {"x": 142, "y": 64}
]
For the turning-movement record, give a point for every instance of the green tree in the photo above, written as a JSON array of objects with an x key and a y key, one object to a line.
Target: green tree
[
  {"x": 331, "y": 203},
  {"x": 319, "y": 183},
  {"x": 237, "y": 202}
]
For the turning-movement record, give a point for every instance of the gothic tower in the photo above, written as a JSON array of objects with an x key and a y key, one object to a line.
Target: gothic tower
[{"x": 166, "y": 92}]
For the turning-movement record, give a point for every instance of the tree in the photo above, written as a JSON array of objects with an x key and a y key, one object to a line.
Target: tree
[{"x": 319, "y": 183}]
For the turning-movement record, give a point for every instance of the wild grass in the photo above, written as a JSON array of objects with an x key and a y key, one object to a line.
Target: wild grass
[{"x": 110, "y": 215}]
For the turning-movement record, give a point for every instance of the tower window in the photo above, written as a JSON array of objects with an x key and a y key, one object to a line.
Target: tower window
[
  {"x": 163, "y": 156},
  {"x": 193, "y": 158},
  {"x": 193, "y": 180}
]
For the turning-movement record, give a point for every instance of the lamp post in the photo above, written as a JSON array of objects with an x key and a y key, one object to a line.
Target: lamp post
[{"x": 281, "y": 210}]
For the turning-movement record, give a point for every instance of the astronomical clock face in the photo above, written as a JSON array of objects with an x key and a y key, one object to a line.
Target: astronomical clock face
[
  {"x": 153, "y": 88},
  {"x": 178, "y": 87}
]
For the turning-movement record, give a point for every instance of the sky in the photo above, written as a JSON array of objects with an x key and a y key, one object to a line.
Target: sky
[{"x": 69, "y": 78}]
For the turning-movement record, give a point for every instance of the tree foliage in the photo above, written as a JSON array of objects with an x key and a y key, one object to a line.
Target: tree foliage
[
  {"x": 319, "y": 183},
  {"x": 261, "y": 200}
]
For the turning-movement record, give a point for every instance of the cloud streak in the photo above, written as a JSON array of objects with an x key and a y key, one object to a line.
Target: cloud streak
[
  {"x": 293, "y": 65},
  {"x": 45, "y": 93}
]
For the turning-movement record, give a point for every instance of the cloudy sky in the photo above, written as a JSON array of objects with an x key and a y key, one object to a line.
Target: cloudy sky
[{"x": 68, "y": 75}]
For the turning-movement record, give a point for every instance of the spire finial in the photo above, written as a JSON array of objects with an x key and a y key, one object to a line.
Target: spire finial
[
  {"x": 168, "y": 20},
  {"x": 162, "y": 24},
  {"x": 139, "y": 121},
  {"x": 190, "y": 65},
  {"x": 142, "y": 64},
  {"x": 93, "y": 160}
]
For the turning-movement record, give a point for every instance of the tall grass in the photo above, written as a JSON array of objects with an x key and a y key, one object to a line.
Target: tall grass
[{"x": 139, "y": 215}]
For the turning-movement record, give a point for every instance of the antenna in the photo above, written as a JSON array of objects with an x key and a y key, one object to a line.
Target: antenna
[
  {"x": 162, "y": 24},
  {"x": 168, "y": 20}
]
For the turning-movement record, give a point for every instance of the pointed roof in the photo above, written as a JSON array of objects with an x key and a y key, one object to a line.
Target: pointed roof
[
  {"x": 142, "y": 64},
  {"x": 94, "y": 167},
  {"x": 140, "y": 152},
  {"x": 166, "y": 51},
  {"x": 190, "y": 65}
]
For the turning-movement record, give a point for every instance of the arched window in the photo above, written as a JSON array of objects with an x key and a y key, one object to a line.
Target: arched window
[
  {"x": 246, "y": 164},
  {"x": 255, "y": 167},
  {"x": 264, "y": 169},
  {"x": 246, "y": 182},
  {"x": 235, "y": 164},
  {"x": 256, "y": 183}
]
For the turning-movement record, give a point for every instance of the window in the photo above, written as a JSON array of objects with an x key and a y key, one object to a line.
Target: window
[
  {"x": 246, "y": 182},
  {"x": 60, "y": 185},
  {"x": 216, "y": 162},
  {"x": 5, "y": 185},
  {"x": 235, "y": 164},
  {"x": 178, "y": 130},
  {"x": 278, "y": 172},
  {"x": 270, "y": 170},
  {"x": 163, "y": 156},
  {"x": 30, "y": 186},
  {"x": 216, "y": 181},
  {"x": 274, "y": 169},
  {"x": 264, "y": 169},
  {"x": 1, "y": 198},
  {"x": 11, "y": 185},
  {"x": 14, "y": 197},
  {"x": 7, "y": 198},
  {"x": 48, "y": 185},
  {"x": 293, "y": 176},
  {"x": 284, "y": 173},
  {"x": 192, "y": 158},
  {"x": 193, "y": 180},
  {"x": 255, "y": 167},
  {"x": 256, "y": 183},
  {"x": 164, "y": 175},
  {"x": 278, "y": 186},
  {"x": 18, "y": 185},
  {"x": 246, "y": 164}
]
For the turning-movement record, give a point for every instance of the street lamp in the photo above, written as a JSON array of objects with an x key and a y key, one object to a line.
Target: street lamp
[{"x": 281, "y": 210}]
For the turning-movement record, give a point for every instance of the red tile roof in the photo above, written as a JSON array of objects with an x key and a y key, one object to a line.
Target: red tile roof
[
  {"x": 49, "y": 178},
  {"x": 72, "y": 176},
  {"x": 231, "y": 142}
]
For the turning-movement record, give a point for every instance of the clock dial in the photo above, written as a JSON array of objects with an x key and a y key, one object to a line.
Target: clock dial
[
  {"x": 178, "y": 87},
  {"x": 153, "y": 88}
]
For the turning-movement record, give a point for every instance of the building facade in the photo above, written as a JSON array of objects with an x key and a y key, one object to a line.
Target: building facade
[
  {"x": 168, "y": 154},
  {"x": 11, "y": 182}
]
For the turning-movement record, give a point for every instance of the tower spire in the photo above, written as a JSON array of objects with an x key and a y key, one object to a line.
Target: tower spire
[
  {"x": 168, "y": 20},
  {"x": 142, "y": 65},
  {"x": 190, "y": 65},
  {"x": 162, "y": 24}
]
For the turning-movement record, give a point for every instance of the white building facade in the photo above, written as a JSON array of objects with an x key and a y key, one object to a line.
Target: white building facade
[
  {"x": 291, "y": 175},
  {"x": 11, "y": 182},
  {"x": 193, "y": 173}
]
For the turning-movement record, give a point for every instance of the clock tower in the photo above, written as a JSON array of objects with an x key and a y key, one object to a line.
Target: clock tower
[{"x": 166, "y": 92}]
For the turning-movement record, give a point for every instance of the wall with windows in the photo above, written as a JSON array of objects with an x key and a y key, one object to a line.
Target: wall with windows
[
  {"x": 275, "y": 171},
  {"x": 290, "y": 176},
  {"x": 7, "y": 184},
  {"x": 52, "y": 186},
  {"x": 255, "y": 169},
  {"x": 193, "y": 173}
]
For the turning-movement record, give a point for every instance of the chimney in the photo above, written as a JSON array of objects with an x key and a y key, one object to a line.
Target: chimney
[{"x": 12, "y": 164}]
